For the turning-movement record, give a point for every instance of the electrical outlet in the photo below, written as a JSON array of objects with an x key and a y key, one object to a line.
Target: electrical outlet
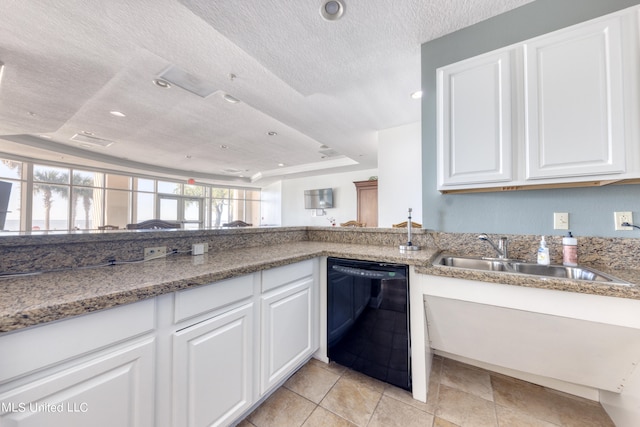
[
  {"x": 621, "y": 217},
  {"x": 155, "y": 252},
  {"x": 560, "y": 220},
  {"x": 197, "y": 249}
]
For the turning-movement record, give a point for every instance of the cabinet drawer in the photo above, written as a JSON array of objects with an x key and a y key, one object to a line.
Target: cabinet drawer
[
  {"x": 66, "y": 339},
  {"x": 276, "y": 277},
  {"x": 192, "y": 302}
]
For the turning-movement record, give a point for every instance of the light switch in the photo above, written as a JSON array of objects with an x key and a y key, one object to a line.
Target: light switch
[{"x": 561, "y": 220}]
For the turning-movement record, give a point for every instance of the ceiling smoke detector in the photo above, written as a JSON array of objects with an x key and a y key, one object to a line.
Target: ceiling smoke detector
[{"x": 332, "y": 10}]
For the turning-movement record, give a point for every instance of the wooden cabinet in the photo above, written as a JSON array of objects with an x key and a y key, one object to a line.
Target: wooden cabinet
[
  {"x": 548, "y": 111},
  {"x": 367, "y": 202}
]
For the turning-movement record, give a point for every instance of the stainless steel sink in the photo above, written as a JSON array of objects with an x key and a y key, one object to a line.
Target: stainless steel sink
[
  {"x": 520, "y": 267},
  {"x": 472, "y": 263},
  {"x": 563, "y": 271}
]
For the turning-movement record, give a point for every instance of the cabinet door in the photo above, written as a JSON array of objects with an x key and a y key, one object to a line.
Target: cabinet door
[
  {"x": 474, "y": 120},
  {"x": 113, "y": 389},
  {"x": 212, "y": 372},
  {"x": 287, "y": 335},
  {"x": 574, "y": 110}
]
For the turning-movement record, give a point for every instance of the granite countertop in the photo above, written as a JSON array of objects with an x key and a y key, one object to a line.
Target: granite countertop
[{"x": 34, "y": 299}]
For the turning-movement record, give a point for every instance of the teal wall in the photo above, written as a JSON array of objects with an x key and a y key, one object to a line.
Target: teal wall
[{"x": 519, "y": 212}]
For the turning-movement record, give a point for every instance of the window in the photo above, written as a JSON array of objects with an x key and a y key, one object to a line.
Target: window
[
  {"x": 11, "y": 172},
  {"x": 50, "y": 210},
  {"x": 65, "y": 198}
]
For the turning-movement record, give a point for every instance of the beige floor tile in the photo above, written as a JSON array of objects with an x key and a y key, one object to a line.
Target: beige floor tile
[
  {"x": 365, "y": 380},
  {"x": 439, "y": 422},
  {"x": 467, "y": 378},
  {"x": 320, "y": 417},
  {"x": 352, "y": 400},
  {"x": 312, "y": 382},
  {"x": 548, "y": 405},
  {"x": 331, "y": 366},
  {"x": 283, "y": 408},
  {"x": 511, "y": 418},
  {"x": 465, "y": 409},
  {"x": 391, "y": 412},
  {"x": 524, "y": 397},
  {"x": 406, "y": 397},
  {"x": 577, "y": 412}
]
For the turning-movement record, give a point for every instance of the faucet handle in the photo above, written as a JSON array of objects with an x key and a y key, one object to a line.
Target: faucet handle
[{"x": 503, "y": 245}]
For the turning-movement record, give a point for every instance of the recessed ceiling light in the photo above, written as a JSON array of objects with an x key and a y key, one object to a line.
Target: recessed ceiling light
[
  {"x": 117, "y": 114},
  {"x": 417, "y": 94},
  {"x": 224, "y": 147},
  {"x": 31, "y": 113},
  {"x": 162, "y": 83},
  {"x": 231, "y": 99},
  {"x": 86, "y": 132},
  {"x": 188, "y": 156},
  {"x": 272, "y": 133},
  {"x": 280, "y": 164},
  {"x": 332, "y": 10}
]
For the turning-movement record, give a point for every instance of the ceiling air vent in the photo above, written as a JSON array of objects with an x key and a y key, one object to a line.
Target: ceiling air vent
[
  {"x": 231, "y": 170},
  {"x": 330, "y": 152},
  {"x": 92, "y": 140},
  {"x": 186, "y": 81}
]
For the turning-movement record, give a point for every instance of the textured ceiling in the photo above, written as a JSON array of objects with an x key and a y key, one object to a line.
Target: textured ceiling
[{"x": 316, "y": 83}]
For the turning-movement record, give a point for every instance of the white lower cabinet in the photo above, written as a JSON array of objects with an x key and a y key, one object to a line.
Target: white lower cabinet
[
  {"x": 114, "y": 388},
  {"x": 213, "y": 372},
  {"x": 198, "y": 357},
  {"x": 287, "y": 331}
]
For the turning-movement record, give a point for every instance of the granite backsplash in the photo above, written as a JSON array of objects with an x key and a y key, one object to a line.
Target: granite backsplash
[{"x": 61, "y": 251}]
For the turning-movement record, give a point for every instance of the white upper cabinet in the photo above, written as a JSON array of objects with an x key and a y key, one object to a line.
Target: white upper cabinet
[
  {"x": 561, "y": 108},
  {"x": 574, "y": 116},
  {"x": 474, "y": 120}
]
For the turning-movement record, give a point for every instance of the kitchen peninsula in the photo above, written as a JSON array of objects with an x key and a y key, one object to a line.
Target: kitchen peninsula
[{"x": 253, "y": 272}]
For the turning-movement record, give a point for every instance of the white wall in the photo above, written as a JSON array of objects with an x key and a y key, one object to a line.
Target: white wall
[
  {"x": 399, "y": 174},
  {"x": 271, "y": 204},
  {"x": 344, "y": 198}
]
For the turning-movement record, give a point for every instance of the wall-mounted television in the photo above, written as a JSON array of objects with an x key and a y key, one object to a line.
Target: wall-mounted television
[{"x": 318, "y": 199}]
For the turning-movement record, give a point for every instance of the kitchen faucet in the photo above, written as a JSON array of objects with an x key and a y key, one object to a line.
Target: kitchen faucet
[{"x": 502, "y": 248}]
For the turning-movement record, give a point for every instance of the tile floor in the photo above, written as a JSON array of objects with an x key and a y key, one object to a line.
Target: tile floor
[{"x": 459, "y": 395}]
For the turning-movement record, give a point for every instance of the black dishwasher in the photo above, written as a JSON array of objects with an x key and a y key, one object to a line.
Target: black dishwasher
[{"x": 368, "y": 318}]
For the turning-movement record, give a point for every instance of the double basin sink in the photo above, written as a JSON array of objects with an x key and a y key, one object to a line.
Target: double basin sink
[{"x": 521, "y": 267}]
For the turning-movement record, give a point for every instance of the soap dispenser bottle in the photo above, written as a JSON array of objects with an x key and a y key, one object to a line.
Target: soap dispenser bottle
[
  {"x": 543, "y": 252},
  {"x": 570, "y": 250}
]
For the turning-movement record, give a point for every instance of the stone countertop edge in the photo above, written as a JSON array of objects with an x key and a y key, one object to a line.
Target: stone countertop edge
[
  {"x": 31, "y": 300},
  {"x": 34, "y": 299}
]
